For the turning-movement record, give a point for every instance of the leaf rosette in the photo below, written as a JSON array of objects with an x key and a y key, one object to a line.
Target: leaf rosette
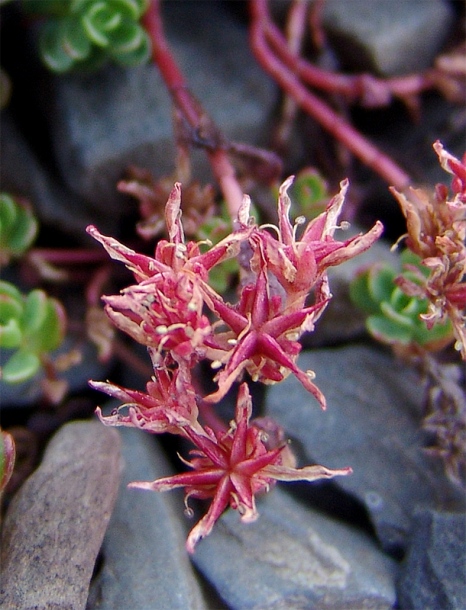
[
  {"x": 31, "y": 326},
  {"x": 87, "y": 33}
]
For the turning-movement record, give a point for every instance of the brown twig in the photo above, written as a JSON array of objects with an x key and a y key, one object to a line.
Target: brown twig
[
  {"x": 369, "y": 154},
  {"x": 196, "y": 118}
]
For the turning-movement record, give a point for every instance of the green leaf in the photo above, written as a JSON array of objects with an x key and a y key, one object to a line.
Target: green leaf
[
  {"x": 387, "y": 331},
  {"x": 395, "y": 316},
  {"x": 130, "y": 9},
  {"x": 361, "y": 296},
  {"x": 35, "y": 310},
  {"x": 23, "y": 365},
  {"x": 97, "y": 21},
  {"x": 52, "y": 330},
  {"x": 52, "y": 52},
  {"x": 10, "y": 290},
  {"x": 23, "y": 233},
  {"x": 380, "y": 282},
  {"x": 10, "y": 334},
  {"x": 10, "y": 308},
  {"x": 127, "y": 38},
  {"x": 8, "y": 213},
  {"x": 74, "y": 39},
  {"x": 136, "y": 57}
]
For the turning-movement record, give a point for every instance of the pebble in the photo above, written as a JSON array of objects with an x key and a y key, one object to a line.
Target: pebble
[
  {"x": 389, "y": 36},
  {"x": 56, "y": 522},
  {"x": 373, "y": 424},
  {"x": 433, "y": 573},
  {"x": 144, "y": 561},
  {"x": 292, "y": 558}
]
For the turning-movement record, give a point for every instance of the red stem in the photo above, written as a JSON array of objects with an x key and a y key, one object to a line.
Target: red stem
[
  {"x": 319, "y": 110},
  {"x": 374, "y": 91},
  {"x": 185, "y": 102},
  {"x": 76, "y": 256}
]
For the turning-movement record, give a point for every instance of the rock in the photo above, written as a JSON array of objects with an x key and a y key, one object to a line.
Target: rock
[
  {"x": 433, "y": 573},
  {"x": 372, "y": 424},
  {"x": 389, "y": 37},
  {"x": 55, "y": 524},
  {"x": 144, "y": 561},
  {"x": 103, "y": 122},
  {"x": 22, "y": 174},
  {"x": 293, "y": 557}
]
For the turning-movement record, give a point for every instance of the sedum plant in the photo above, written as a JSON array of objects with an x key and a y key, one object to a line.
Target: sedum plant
[
  {"x": 175, "y": 312},
  {"x": 393, "y": 317},
  {"x": 86, "y": 33},
  {"x": 31, "y": 326}
]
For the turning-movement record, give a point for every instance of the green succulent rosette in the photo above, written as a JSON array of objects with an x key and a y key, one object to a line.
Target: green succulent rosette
[
  {"x": 393, "y": 317},
  {"x": 18, "y": 227},
  {"x": 87, "y": 33},
  {"x": 31, "y": 326}
]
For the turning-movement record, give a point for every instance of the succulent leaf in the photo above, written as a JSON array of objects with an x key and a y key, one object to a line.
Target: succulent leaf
[
  {"x": 32, "y": 325},
  {"x": 18, "y": 227},
  {"x": 22, "y": 365},
  {"x": 394, "y": 316}
]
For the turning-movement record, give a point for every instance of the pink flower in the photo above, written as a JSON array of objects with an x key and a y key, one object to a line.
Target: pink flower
[
  {"x": 271, "y": 316},
  {"x": 169, "y": 404},
  {"x": 300, "y": 264},
  {"x": 164, "y": 310},
  {"x": 231, "y": 468},
  {"x": 262, "y": 340}
]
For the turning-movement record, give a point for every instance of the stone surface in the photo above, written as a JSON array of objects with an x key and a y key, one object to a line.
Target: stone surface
[
  {"x": 103, "y": 122},
  {"x": 388, "y": 36},
  {"x": 55, "y": 524},
  {"x": 372, "y": 424},
  {"x": 144, "y": 562},
  {"x": 293, "y": 558},
  {"x": 22, "y": 174},
  {"x": 433, "y": 573}
]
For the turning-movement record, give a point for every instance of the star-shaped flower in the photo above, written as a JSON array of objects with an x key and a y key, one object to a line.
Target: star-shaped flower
[
  {"x": 300, "y": 264},
  {"x": 231, "y": 468},
  {"x": 168, "y": 405},
  {"x": 262, "y": 340},
  {"x": 164, "y": 309}
]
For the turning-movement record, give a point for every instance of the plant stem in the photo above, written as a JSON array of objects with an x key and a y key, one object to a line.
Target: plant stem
[
  {"x": 191, "y": 110},
  {"x": 369, "y": 154}
]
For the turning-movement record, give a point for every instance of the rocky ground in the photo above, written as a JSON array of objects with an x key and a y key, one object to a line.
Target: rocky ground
[{"x": 391, "y": 535}]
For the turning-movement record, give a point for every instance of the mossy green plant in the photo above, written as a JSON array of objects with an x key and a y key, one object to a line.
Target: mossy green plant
[
  {"x": 87, "y": 33},
  {"x": 31, "y": 326},
  {"x": 393, "y": 317}
]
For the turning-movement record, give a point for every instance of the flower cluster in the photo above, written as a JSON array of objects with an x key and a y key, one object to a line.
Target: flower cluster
[
  {"x": 182, "y": 320},
  {"x": 436, "y": 233}
]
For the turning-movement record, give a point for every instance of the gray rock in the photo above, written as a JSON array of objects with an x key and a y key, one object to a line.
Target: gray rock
[
  {"x": 433, "y": 573},
  {"x": 372, "y": 424},
  {"x": 55, "y": 524},
  {"x": 294, "y": 558},
  {"x": 22, "y": 174},
  {"x": 106, "y": 121},
  {"x": 145, "y": 564},
  {"x": 388, "y": 36}
]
